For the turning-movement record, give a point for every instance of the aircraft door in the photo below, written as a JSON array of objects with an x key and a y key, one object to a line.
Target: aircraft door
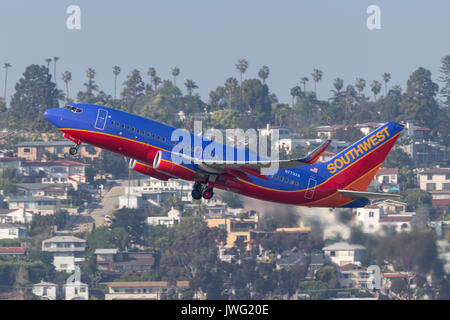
[
  {"x": 100, "y": 122},
  {"x": 312, "y": 183}
]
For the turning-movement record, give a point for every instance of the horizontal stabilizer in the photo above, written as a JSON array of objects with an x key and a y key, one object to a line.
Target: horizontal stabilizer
[
  {"x": 368, "y": 195},
  {"x": 316, "y": 153}
]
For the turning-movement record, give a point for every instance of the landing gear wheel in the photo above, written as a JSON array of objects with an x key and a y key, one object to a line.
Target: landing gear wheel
[
  {"x": 196, "y": 194},
  {"x": 208, "y": 193},
  {"x": 73, "y": 151}
]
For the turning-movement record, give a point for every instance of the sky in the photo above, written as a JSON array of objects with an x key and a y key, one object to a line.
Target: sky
[{"x": 205, "y": 38}]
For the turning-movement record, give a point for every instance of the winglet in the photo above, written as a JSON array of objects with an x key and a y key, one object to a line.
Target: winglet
[{"x": 313, "y": 156}]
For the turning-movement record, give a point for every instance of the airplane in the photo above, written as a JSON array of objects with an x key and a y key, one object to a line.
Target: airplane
[{"x": 341, "y": 181}]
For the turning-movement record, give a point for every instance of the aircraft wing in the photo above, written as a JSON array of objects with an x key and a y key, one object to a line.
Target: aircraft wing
[{"x": 368, "y": 195}]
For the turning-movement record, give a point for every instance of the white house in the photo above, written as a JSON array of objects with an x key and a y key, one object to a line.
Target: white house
[
  {"x": 12, "y": 231},
  {"x": 76, "y": 291},
  {"x": 353, "y": 276},
  {"x": 45, "y": 290},
  {"x": 342, "y": 253},
  {"x": 19, "y": 215},
  {"x": 68, "y": 251},
  {"x": 173, "y": 218},
  {"x": 435, "y": 179},
  {"x": 386, "y": 178},
  {"x": 130, "y": 201},
  {"x": 377, "y": 217},
  {"x": 143, "y": 290}
]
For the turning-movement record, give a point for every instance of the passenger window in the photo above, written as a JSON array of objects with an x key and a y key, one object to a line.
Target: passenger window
[
  {"x": 164, "y": 139},
  {"x": 112, "y": 122},
  {"x": 148, "y": 134},
  {"x": 132, "y": 129},
  {"x": 117, "y": 124},
  {"x": 143, "y": 132},
  {"x": 123, "y": 126},
  {"x": 292, "y": 181},
  {"x": 159, "y": 138},
  {"x": 128, "y": 127},
  {"x": 153, "y": 136},
  {"x": 137, "y": 130}
]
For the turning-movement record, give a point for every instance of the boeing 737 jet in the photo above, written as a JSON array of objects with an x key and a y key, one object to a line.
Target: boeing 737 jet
[{"x": 340, "y": 182}]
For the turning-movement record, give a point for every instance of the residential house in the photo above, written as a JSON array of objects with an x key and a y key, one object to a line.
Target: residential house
[
  {"x": 227, "y": 253},
  {"x": 19, "y": 215},
  {"x": 342, "y": 253},
  {"x": 353, "y": 276},
  {"x": 56, "y": 190},
  {"x": 236, "y": 228},
  {"x": 12, "y": 231},
  {"x": 68, "y": 251},
  {"x": 290, "y": 258},
  {"x": 173, "y": 217},
  {"x": 440, "y": 200},
  {"x": 13, "y": 252},
  {"x": 283, "y": 133},
  {"x": 76, "y": 290},
  {"x": 387, "y": 278},
  {"x": 316, "y": 262},
  {"x": 57, "y": 171},
  {"x": 36, "y": 205},
  {"x": 327, "y": 132},
  {"x": 425, "y": 152},
  {"x": 436, "y": 179},
  {"x": 368, "y": 127},
  {"x": 386, "y": 179},
  {"x": 114, "y": 262},
  {"x": 299, "y": 232},
  {"x": 39, "y": 150},
  {"x": 144, "y": 290},
  {"x": 131, "y": 201},
  {"x": 46, "y": 290},
  {"x": 443, "y": 247},
  {"x": 376, "y": 217}
]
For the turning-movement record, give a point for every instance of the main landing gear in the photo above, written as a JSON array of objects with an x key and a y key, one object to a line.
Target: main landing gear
[
  {"x": 202, "y": 189},
  {"x": 74, "y": 150}
]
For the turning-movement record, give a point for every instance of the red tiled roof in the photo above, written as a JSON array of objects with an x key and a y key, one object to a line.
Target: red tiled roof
[
  {"x": 12, "y": 250},
  {"x": 440, "y": 202},
  {"x": 382, "y": 171},
  {"x": 397, "y": 275},
  {"x": 372, "y": 207},
  {"x": 395, "y": 219},
  {"x": 417, "y": 128}
]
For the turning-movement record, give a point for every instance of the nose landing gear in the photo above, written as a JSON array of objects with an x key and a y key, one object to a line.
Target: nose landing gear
[{"x": 74, "y": 150}]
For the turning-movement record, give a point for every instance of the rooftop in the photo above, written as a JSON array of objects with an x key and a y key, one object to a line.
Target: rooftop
[
  {"x": 141, "y": 284},
  {"x": 106, "y": 251},
  {"x": 64, "y": 239},
  {"x": 59, "y": 143},
  {"x": 12, "y": 250},
  {"x": 436, "y": 170},
  {"x": 343, "y": 246},
  {"x": 383, "y": 171},
  {"x": 53, "y": 163}
]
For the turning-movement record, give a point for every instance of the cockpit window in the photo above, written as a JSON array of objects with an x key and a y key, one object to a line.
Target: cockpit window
[{"x": 73, "y": 109}]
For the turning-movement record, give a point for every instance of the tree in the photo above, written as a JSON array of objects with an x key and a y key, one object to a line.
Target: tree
[
  {"x": 317, "y": 76},
  {"x": 263, "y": 73},
  {"x": 338, "y": 84},
  {"x": 295, "y": 92},
  {"x": 48, "y": 60},
  {"x": 375, "y": 87},
  {"x": 231, "y": 85},
  {"x": 190, "y": 86},
  {"x": 35, "y": 93},
  {"x": 6, "y": 65},
  {"x": 152, "y": 73},
  {"x": 255, "y": 98},
  {"x": 156, "y": 81},
  {"x": 55, "y": 59},
  {"x": 133, "y": 89},
  {"x": 360, "y": 84},
  {"x": 386, "y": 77},
  {"x": 175, "y": 74},
  {"x": 241, "y": 66},
  {"x": 116, "y": 72},
  {"x": 303, "y": 81},
  {"x": 67, "y": 77},
  {"x": 418, "y": 102},
  {"x": 91, "y": 87},
  {"x": 133, "y": 221}
]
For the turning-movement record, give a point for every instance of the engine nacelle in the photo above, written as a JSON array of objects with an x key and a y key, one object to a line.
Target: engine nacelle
[
  {"x": 164, "y": 163},
  {"x": 149, "y": 171}
]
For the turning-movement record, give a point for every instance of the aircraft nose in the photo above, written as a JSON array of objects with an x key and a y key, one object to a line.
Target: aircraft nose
[{"x": 53, "y": 115}]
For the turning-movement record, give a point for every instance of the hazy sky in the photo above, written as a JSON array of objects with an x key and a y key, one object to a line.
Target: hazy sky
[{"x": 205, "y": 38}]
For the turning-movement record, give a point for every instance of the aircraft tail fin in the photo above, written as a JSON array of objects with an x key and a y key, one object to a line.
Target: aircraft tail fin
[{"x": 355, "y": 167}]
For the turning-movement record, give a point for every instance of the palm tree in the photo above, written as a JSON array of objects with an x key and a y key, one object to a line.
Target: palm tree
[
  {"x": 303, "y": 81},
  {"x": 360, "y": 85},
  {"x": 66, "y": 77},
  {"x": 386, "y": 77},
  {"x": 242, "y": 66},
  {"x": 152, "y": 73},
  {"x": 295, "y": 92},
  {"x": 48, "y": 60},
  {"x": 190, "y": 86},
  {"x": 156, "y": 81},
  {"x": 350, "y": 96},
  {"x": 338, "y": 84},
  {"x": 376, "y": 87},
  {"x": 55, "y": 59},
  {"x": 264, "y": 73},
  {"x": 317, "y": 76},
  {"x": 230, "y": 85},
  {"x": 116, "y": 72},
  {"x": 175, "y": 74},
  {"x": 6, "y": 65}
]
